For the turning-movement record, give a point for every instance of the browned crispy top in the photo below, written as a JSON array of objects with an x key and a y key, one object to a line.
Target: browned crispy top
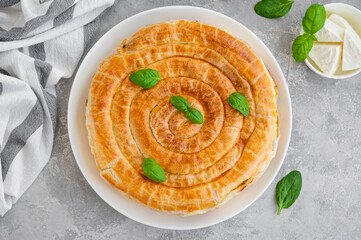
[{"x": 205, "y": 164}]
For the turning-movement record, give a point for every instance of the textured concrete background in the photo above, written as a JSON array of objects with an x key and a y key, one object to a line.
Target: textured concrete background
[{"x": 325, "y": 147}]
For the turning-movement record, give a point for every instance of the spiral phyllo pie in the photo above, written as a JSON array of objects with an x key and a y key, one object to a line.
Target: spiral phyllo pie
[{"x": 205, "y": 164}]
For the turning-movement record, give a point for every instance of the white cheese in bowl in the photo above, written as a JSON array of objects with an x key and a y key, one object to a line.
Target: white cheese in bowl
[
  {"x": 331, "y": 32},
  {"x": 337, "y": 52},
  {"x": 351, "y": 57},
  {"x": 340, "y": 21},
  {"x": 327, "y": 56}
]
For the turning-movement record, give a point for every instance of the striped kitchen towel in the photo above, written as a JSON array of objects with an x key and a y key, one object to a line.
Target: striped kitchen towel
[{"x": 41, "y": 41}]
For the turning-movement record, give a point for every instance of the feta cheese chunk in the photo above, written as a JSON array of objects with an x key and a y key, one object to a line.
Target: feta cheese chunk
[
  {"x": 327, "y": 56},
  {"x": 351, "y": 57},
  {"x": 340, "y": 21},
  {"x": 330, "y": 32}
]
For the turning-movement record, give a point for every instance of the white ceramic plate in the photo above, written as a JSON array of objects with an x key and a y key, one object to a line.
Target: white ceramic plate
[{"x": 78, "y": 134}]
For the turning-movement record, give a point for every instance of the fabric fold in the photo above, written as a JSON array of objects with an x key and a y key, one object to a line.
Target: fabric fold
[{"x": 40, "y": 43}]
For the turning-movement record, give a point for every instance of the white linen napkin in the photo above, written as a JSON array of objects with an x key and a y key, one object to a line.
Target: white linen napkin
[{"x": 41, "y": 41}]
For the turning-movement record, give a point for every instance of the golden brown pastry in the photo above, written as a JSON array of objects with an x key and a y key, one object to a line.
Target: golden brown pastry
[{"x": 205, "y": 164}]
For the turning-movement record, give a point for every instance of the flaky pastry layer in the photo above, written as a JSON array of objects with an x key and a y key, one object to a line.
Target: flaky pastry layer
[{"x": 205, "y": 164}]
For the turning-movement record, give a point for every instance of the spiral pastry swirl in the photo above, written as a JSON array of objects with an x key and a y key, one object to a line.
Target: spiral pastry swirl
[{"x": 205, "y": 164}]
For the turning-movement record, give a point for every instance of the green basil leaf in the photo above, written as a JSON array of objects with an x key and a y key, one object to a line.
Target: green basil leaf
[
  {"x": 314, "y": 18},
  {"x": 302, "y": 46},
  {"x": 273, "y": 8},
  {"x": 194, "y": 116},
  {"x": 153, "y": 171},
  {"x": 239, "y": 102},
  {"x": 288, "y": 189},
  {"x": 180, "y": 103},
  {"x": 146, "y": 78}
]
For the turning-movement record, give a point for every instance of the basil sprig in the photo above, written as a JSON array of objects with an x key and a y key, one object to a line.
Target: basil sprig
[
  {"x": 312, "y": 22},
  {"x": 288, "y": 189},
  {"x": 153, "y": 171},
  {"x": 314, "y": 19},
  {"x": 302, "y": 46},
  {"x": 239, "y": 102},
  {"x": 146, "y": 78},
  {"x": 183, "y": 105},
  {"x": 273, "y": 8},
  {"x": 180, "y": 103},
  {"x": 194, "y": 115}
]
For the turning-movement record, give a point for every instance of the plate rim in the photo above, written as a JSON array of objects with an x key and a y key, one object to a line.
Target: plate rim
[{"x": 71, "y": 121}]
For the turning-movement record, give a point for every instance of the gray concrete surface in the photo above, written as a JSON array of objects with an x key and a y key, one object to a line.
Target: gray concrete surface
[{"x": 325, "y": 147}]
